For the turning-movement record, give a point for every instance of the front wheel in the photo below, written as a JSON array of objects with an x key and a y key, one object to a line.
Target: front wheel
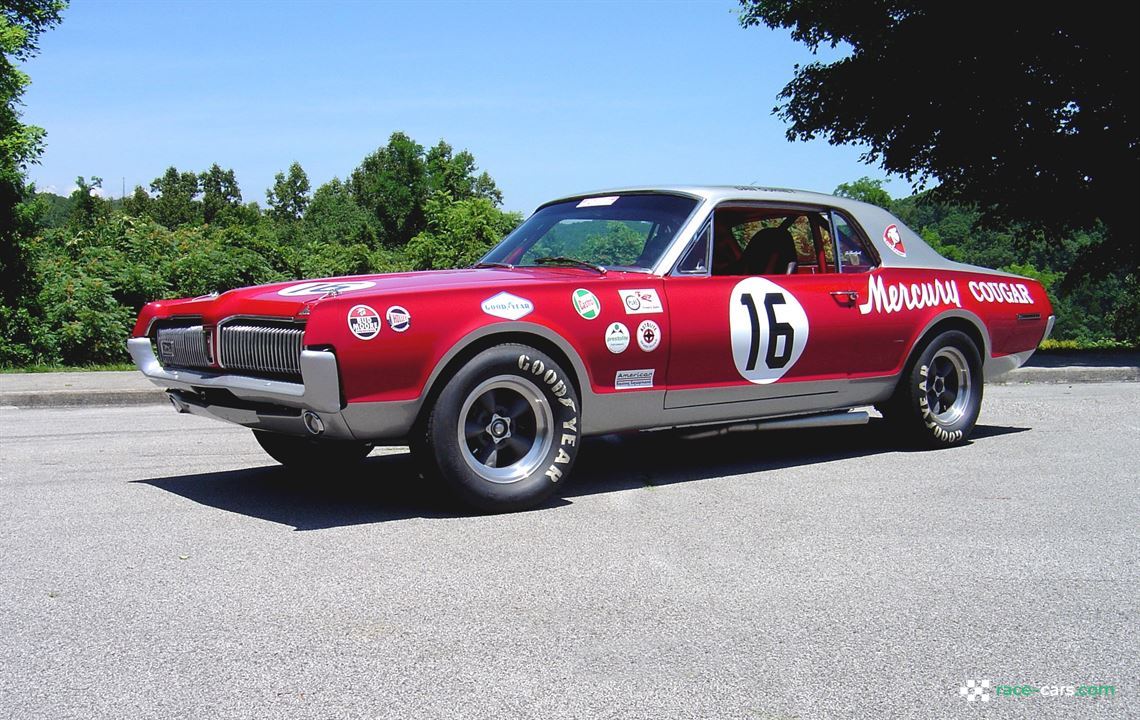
[
  {"x": 940, "y": 395},
  {"x": 299, "y": 453},
  {"x": 503, "y": 433}
]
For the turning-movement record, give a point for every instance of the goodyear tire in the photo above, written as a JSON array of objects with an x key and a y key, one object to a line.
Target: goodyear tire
[
  {"x": 299, "y": 453},
  {"x": 503, "y": 434},
  {"x": 940, "y": 395}
]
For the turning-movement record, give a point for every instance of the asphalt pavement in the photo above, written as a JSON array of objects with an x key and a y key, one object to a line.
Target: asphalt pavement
[{"x": 158, "y": 565}]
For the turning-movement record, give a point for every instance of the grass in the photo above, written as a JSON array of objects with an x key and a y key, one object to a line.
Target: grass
[
  {"x": 68, "y": 368},
  {"x": 1095, "y": 345}
]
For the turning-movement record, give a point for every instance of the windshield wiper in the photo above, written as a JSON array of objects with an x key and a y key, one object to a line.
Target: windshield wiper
[
  {"x": 487, "y": 264},
  {"x": 562, "y": 260}
]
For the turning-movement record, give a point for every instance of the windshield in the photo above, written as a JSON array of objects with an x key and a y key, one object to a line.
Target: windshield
[{"x": 623, "y": 232}]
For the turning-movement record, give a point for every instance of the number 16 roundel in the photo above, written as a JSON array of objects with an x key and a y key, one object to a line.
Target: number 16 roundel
[{"x": 769, "y": 329}]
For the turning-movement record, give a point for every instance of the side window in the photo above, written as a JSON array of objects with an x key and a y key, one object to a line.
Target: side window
[
  {"x": 696, "y": 259},
  {"x": 755, "y": 240},
  {"x": 853, "y": 254}
]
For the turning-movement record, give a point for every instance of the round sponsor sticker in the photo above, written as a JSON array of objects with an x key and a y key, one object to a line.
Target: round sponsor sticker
[
  {"x": 399, "y": 319},
  {"x": 617, "y": 338},
  {"x": 769, "y": 329},
  {"x": 648, "y": 335},
  {"x": 586, "y": 303},
  {"x": 364, "y": 322},
  {"x": 894, "y": 241}
]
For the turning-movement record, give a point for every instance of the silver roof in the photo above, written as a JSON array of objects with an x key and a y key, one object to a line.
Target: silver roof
[{"x": 873, "y": 219}]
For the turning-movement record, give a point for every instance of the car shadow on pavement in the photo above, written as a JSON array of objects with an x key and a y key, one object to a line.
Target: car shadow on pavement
[
  {"x": 388, "y": 487},
  {"x": 665, "y": 458}
]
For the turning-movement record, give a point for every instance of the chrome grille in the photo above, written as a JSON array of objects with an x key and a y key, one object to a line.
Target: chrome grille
[
  {"x": 183, "y": 346},
  {"x": 260, "y": 346}
]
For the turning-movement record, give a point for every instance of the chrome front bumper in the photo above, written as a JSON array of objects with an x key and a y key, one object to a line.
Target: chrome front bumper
[
  {"x": 283, "y": 404},
  {"x": 319, "y": 389}
]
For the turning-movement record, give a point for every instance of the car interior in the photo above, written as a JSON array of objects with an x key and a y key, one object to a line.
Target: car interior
[{"x": 774, "y": 241}]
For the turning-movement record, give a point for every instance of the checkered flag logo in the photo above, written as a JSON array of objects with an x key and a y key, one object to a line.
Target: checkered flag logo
[{"x": 975, "y": 690}]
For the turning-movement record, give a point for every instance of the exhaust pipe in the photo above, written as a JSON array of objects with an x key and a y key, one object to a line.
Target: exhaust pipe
[
  {"x": 179, "y": 405},
  {"x": 313, "y": 423}
]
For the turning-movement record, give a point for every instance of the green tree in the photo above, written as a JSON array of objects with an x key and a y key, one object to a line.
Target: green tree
[
  {"x": 175, "y": 199},
  {"x": 21, "y": 24},
  {"x": 391, "y": 184},
  {"x": 138, "y": 203},
  {"x": 221, "y": 196},
  {"x": 866, "y": 190},
  {"x": 459, "y": 233},
  {"x": 334, "y": 218},
  {"x": 453, "y": 174},
  {"x": 87, "y": 207},
  {"x": 289, "y": 195},
  {"x": 1024, "y": 116}
]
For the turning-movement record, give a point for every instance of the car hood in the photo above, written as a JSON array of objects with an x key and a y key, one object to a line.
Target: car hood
[{"x": 299, "y": 297}]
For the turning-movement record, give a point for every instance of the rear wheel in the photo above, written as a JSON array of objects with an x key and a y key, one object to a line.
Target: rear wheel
[
  {"x": 940, "y": 395},
  {"x": 299, "y": 453},
  {"x": 503, "y": 434}
]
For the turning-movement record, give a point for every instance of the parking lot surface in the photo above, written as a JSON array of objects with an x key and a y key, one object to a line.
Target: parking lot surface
[{"x": 159, "y": 566}]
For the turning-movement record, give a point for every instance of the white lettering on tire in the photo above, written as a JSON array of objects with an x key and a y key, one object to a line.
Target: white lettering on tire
[{"x": 557, "y": 387}]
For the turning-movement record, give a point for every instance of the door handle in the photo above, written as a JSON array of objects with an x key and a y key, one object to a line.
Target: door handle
[{"x": 845, "y": 297}]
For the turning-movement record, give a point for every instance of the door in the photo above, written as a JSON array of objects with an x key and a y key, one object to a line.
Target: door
[{"x": 774, "y": 327}]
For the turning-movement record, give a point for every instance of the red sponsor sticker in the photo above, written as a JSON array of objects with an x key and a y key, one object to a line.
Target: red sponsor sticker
[
  {"x": 364, "y": 322},
  {"x": 894, "y": 241}
]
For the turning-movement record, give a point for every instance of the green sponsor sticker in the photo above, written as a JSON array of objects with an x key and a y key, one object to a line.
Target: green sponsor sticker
[{"x": 587, "y": 304}]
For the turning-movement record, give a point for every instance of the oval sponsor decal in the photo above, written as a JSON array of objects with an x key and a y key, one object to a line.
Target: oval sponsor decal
[
  {"x": 769, "y": 329},
  {"x": 586, "y": 303},
  {"x": 399, "y": 319},
  {"x": 617, "y": 338},
  {"x": 648, "y": 335},
  {"x": 893, "y": 239},
  {"x": 325, "y": 287},
  {"x": 364, "y": 322}
]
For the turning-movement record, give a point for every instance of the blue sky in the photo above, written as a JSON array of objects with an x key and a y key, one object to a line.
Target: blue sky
[{"x": 551, "y": 97}]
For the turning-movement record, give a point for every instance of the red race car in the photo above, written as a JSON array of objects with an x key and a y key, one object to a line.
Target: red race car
[{"x": 605, "y": 312}]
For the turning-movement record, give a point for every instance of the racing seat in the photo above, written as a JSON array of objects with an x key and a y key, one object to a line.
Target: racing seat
[{"x": 771, "y": 251}]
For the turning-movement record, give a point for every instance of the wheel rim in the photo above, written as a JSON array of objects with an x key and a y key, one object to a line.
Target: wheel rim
[
  {"x": 948, "y": 386},
  {"x": 505, "y": 429}
]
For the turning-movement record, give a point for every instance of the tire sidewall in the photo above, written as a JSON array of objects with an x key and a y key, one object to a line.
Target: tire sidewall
[
  {"x": 557, "y": 391},
  {"x": 926, "y": 425}
]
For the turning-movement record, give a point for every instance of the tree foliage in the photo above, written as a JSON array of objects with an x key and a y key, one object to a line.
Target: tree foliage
[
  {"x": 289, "y": 196},
  {"x": 458, "y": 233},
  {"x": 866, "y": 190},
  {"x": 396, "y": 182},
  {"x": 96, "y": 263},
  {"x": 21, "y": 24},
  {"x": 87, "y": 208},
  {"x": 221, "y": 197},
  {"x": 1025, "y": 116},
  {"x": 175, "y": 195}
]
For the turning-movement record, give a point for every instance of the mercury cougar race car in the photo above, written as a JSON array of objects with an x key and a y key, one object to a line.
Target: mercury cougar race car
[{"x": 623, "y": 310}]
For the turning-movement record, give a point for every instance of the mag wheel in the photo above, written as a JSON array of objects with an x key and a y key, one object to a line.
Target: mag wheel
[
  {"x": 503, "y": 433},
  {"x": 940, "y": 395},
  {"x": 299, "y": 453}
]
